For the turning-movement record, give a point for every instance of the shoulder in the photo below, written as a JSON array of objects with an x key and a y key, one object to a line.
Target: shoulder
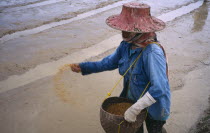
[
  {"x": 153, "y": 48},
  {"x": 123, "y": 46}
]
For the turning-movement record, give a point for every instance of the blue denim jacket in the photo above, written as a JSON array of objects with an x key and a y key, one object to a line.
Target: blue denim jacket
[{"x": 151, "y": 67}]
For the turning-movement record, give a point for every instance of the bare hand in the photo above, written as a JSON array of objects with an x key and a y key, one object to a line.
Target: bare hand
[{"x": 75, "y": 68}]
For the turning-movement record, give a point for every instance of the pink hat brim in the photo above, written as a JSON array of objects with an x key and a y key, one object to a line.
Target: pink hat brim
[{"x": 140, "y": 25}]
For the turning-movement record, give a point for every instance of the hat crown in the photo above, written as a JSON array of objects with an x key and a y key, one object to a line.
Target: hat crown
[
  {"x": 136, "y": 5},
  {"x": 131, "y": 10}
]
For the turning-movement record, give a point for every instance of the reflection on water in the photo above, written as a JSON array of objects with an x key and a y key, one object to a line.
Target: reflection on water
[{"x": 200, "y": 17}]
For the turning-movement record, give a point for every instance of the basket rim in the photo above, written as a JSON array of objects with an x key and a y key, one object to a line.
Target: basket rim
[
  {"x": 143, "y": 111},
  {"x": 119, "y": 116}
]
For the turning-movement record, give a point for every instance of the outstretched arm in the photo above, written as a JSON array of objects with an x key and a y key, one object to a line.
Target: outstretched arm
[{"x": 108, "y": 63}]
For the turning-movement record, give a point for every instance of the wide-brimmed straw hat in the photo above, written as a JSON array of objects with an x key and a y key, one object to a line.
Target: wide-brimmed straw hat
[{"x": 135, "y": 17}]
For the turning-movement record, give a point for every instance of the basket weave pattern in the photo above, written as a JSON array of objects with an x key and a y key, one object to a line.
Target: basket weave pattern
[{"x": 110, "y": 122}]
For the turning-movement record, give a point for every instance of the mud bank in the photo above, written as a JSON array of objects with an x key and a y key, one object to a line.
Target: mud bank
[
  {"x": 203, "y": 124},
  {"x": 16, "y": 19},
  {"x": 21, "y": 19}
]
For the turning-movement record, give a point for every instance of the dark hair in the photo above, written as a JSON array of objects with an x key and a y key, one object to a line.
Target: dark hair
[{"x": 155, "y": 39}]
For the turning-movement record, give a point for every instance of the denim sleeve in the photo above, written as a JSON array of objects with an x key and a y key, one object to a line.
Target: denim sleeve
[
  {"x": 155, "y": 67},
  {"x": 108, "y": 63}
]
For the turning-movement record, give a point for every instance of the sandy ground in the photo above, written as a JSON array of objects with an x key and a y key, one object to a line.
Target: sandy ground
[{"x": 42, "y": 107}]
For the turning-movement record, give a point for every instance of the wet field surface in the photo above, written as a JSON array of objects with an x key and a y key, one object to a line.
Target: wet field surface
[
  {"x": 18, "y": 17},
  {"x": 203, "y": 124},
  {"x": 58, "y": 42},
  {"x": 74, "y": 106}
]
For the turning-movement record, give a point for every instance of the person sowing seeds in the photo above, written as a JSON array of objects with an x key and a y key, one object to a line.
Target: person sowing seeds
[{"x": 139, "y": 42}]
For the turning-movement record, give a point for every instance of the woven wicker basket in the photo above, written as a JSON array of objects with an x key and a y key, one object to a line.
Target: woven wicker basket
[{"x": 110, "y": 122}]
